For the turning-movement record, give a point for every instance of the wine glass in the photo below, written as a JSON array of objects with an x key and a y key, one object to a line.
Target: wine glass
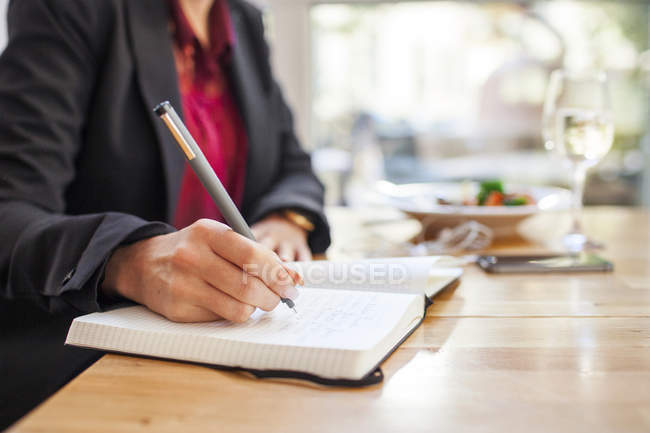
[{"x": 578, "y": 125}]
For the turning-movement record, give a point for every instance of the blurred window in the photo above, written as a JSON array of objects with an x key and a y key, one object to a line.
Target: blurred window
[{"x": 421, "y": 91}]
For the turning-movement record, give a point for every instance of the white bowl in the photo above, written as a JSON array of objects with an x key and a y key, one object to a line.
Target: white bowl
[{"x": 420, "y": 200}]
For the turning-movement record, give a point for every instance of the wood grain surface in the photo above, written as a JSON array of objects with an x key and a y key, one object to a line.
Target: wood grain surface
[{"x": 534, "y": 353}]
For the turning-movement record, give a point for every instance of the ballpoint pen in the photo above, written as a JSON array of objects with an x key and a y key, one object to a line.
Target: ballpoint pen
[{"x": 206, "y": 175}]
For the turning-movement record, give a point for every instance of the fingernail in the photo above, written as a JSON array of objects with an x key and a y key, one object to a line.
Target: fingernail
[
  {"x": 292, "y": 293},
  {"x": 297, "y": 279}
]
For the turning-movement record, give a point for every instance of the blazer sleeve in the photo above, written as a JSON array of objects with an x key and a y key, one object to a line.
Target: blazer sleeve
[
  {"x": 47, "y": 74},
  {"x": 296, "y": 186}
]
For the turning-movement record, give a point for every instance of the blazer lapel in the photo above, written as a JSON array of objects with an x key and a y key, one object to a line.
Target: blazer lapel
[{"x": 156, "y": 73}]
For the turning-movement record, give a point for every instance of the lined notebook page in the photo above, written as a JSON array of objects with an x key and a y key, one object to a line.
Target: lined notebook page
[
  {"x": 324, "y": 338},
  {"x": 397, "y": 274}
]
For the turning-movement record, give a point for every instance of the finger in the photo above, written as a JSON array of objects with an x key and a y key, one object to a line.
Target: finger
[
  {"x": 278, "y": 279},
  {"x": 295, "y": 276},
  {"x": 191, "y": 313},
  {"x": 177, "y": 302},
  {"x": 286, "y": 251},
  {"x": 221, "y": 304},
  {"x": 268, "y": 241},
  {"x": 247, "y": 255},
  {"x": 245, "y": 287},
  {"x": 304, "y": 253},
  {"x": 259, "y": 231}
]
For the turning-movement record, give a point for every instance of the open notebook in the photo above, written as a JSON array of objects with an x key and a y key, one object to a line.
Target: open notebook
[{"x": 351, "y": 316}]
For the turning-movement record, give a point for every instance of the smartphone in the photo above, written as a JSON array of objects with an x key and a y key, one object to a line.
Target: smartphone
[{"x": 584, "y": 262}]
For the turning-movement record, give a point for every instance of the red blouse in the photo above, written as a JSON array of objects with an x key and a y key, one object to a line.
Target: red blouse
[{"x": 210, "y": 111}]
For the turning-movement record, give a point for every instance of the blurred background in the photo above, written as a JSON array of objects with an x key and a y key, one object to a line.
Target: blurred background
[{"x": 453, "y": 90}]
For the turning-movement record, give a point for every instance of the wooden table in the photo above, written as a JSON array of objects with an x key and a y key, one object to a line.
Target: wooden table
[{"x": 498, "y": 353}]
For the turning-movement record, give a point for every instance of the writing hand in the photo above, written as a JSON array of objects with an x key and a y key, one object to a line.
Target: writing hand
[{"x": 201, "y": 273}]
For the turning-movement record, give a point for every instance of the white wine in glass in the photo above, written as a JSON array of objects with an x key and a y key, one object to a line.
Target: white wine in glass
[{"x": 578, "y": 125}]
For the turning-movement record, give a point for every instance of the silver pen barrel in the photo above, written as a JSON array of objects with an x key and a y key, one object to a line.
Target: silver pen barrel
[
  {"x": 202, "y": 168},
  {"x": 206, "y": 175}
]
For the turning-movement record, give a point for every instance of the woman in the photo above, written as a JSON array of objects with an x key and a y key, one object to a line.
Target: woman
[{"x": 96, "y": 202}]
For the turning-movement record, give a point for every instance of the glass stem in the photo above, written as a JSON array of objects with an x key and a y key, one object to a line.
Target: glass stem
[{"x": 579, "y": 176}]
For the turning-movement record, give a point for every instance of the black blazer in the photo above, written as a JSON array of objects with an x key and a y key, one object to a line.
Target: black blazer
[{"x": 85, "y": 165}]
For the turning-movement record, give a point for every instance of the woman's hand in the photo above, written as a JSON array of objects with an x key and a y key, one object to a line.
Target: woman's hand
[
  {"x": 201, "y": 273},
  {"x": 283, "y": 237}
]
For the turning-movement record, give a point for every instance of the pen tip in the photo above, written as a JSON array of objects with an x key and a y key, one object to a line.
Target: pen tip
[{"x": 294, "y": 310}]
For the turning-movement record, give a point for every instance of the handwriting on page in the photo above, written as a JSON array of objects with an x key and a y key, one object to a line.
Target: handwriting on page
[{"x": 337, "y": 319}]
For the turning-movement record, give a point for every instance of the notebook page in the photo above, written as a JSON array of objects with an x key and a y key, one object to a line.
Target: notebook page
[
  {"x": 322, "y": 338},
  {"x": 331, "y": 319},
  {"x": 397, "y": 274}
]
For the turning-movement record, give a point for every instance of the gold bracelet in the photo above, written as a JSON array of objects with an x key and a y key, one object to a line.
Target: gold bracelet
[{"x": 299, "y": 219}]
